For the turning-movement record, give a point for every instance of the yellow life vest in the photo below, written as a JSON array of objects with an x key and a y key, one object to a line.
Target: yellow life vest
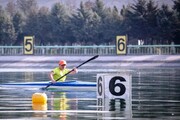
[{"x": 59, "y": 73}]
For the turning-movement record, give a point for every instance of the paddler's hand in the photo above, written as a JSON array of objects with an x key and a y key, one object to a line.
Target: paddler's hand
[
  {"x": 74, "y": 71},
  {"x": 53, "y": 81}
]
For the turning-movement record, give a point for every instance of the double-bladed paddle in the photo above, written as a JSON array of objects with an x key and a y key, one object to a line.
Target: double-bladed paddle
[{"x": 71, "y": 71}]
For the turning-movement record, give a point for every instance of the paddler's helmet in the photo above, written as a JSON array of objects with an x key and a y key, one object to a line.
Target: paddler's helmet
[{"x": 62, "y": 62}]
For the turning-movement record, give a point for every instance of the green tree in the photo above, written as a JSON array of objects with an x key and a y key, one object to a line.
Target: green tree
[
  {"x": 31, "y": 27},
  {"x": 102, "y": 12},
  {"x": 29, "y": 10},
  {"x": 83, "y": 24},
  {"x": 38, "y": 25},
  {"x": 176, "y": 8},
  {"x": 112, "y": 25},
  {"x": 99, "y": 8},
  {"x": 165, "y": 23},
  {"x": 126, "y": 20},
  {"x": 151, "y": 20},
  {"x": 142, "y": 20},
  {"x": 7, "y": 32},
  {"x": 44, "y": 26},
  {"x": 59, "y": 19},
  {"x": 18, "y": 26}
]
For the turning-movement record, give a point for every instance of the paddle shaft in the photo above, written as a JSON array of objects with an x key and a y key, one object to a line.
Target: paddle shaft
[{"x": 73, "y": 69}]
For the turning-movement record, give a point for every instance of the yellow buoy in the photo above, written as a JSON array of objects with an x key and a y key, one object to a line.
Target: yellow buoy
[
  {"x": 39, "y": 98},
  {"x": 39, "y": 106}
]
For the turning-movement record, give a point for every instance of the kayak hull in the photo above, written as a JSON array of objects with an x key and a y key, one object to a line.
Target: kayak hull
[
  {"x": 68, "y": 83},
  {"x": 78, "y": 85}
]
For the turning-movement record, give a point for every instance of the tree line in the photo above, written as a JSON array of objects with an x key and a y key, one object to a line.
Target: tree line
[{"x": 92, "y": 23}]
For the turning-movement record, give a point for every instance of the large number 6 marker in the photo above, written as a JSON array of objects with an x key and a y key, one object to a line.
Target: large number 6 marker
[{"x": 113, "y": 85}]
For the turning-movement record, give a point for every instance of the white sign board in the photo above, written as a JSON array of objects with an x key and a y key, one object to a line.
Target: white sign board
[
  {"x": 114, "y": 85},
  {"x": 114, "y": 94}
]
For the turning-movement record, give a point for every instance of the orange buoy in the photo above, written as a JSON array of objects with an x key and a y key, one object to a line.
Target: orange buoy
[{"x": 39, "y": 98}]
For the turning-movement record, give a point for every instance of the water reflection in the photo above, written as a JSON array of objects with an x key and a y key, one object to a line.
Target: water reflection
[
  {"x": 60, "y": 103},
  {"x": 155, "y": 95},
  {"x": 28, "y": 77},
  {"x": 119, "y": 108},
  {"x": 40, "y": 107}
]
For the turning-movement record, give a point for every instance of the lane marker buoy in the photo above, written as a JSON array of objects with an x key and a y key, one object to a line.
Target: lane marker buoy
[{"x": 39, "y": 98}]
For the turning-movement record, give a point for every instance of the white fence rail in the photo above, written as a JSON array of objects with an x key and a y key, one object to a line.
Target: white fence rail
[{"x": 91, "y": 50}]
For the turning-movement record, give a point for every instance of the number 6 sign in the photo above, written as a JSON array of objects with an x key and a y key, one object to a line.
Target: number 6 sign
[
  {"x": 121, "y": 45},
  {"x": 114, "y": 85}
]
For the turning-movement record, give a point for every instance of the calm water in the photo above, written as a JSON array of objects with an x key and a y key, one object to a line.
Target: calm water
[{"x": 155, "y": 95}]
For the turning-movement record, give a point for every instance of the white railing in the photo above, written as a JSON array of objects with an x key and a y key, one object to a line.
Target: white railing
[{"x": 91, "y": 50}]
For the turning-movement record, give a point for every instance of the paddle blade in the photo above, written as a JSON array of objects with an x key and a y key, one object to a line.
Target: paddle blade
[{"x": 43, "y": 89}]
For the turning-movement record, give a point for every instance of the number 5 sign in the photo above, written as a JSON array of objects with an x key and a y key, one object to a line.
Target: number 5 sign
[
  {"x": 114, "y": 85},
  {"x": 28, "y": 45},
  {"x": 121, "y": 46}
]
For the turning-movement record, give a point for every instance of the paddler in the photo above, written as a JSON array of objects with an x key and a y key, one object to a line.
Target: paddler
[{"x": 58, "y": 72}]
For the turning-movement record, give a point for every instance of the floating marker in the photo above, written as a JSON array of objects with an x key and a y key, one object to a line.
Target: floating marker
[
  {"x": 39, "y": 106},
  {"x": 39, "y": 98}
]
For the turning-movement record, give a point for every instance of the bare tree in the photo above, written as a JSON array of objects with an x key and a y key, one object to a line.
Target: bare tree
[
  {"x": 11, "y": 8},
  {"x": 27, "y": 6}
]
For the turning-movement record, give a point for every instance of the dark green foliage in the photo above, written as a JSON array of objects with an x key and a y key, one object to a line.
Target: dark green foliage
[
  {"x": 7, "y": 32},
  {"x": 91, "y": 23},
  {"x": 176, "y": 8}
]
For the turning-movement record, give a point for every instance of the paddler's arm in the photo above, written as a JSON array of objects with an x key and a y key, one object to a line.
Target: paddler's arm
[{"x": 51, "y": 77}]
